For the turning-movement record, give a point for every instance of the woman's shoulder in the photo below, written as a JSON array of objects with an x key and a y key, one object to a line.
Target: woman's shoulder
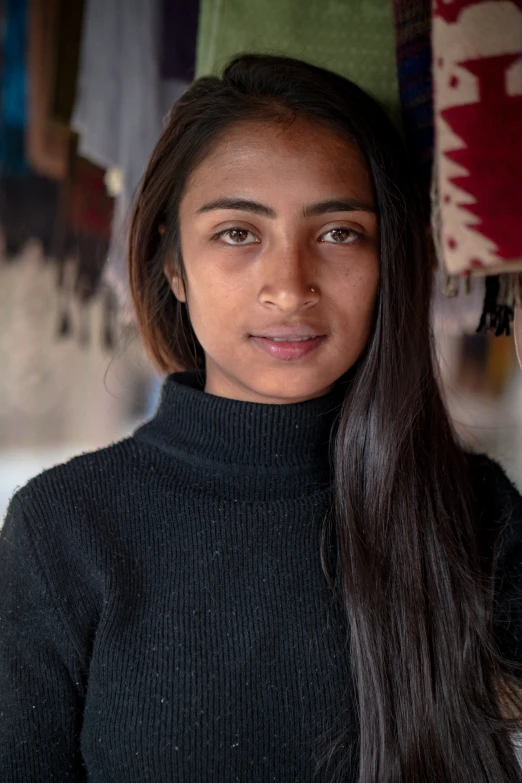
[
  {"x": 64, "y": 535},
  {"x": 95, "y": 463},
  {"x": 86, "y": 480},
  {"x": 70, "y": 517}
]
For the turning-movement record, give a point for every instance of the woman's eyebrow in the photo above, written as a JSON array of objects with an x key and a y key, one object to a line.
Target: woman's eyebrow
[
  {"x": 312, "y": 210},
  {"x": 338, "y": 205},
  {"x": 239, "y": 204}
]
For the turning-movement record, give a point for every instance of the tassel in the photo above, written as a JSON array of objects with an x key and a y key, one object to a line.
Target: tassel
[
  {"x": 450, "y": 285},
  {"x": 499, "y": 303}
]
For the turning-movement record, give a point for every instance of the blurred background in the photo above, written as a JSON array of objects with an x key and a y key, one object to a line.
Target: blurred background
[{"x": 85, "y": 88}]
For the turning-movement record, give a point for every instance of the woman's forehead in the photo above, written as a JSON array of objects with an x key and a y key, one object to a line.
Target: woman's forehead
[{"x": 274, "y": 155}]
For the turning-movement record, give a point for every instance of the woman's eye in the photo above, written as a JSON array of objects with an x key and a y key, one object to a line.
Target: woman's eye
[
  {"x": 341, "y": 236},
  {"x": 237, "y": 236}
]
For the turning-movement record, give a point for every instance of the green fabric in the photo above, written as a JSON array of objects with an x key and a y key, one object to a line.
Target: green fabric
[{"x": 353, "y": 37}]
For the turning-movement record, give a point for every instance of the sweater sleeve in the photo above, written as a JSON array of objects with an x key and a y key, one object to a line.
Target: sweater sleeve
[{"x": 41, "y": 688}]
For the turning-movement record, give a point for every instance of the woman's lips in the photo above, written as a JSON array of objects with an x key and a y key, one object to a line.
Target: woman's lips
[{"x": 286, "y": 350}]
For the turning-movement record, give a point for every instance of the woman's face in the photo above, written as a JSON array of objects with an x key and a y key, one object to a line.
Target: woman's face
[{"x": 279, "y": 239}]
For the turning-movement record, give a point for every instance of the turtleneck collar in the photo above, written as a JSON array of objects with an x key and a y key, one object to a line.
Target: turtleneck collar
[{"x": 247, "y": 450}]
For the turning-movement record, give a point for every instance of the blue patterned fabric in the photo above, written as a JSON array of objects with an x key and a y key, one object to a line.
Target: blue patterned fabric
[{"x": 13, "y": 110}]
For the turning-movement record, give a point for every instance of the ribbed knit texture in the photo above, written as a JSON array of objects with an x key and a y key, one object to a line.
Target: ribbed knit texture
[{"x": 164, "y": 616}]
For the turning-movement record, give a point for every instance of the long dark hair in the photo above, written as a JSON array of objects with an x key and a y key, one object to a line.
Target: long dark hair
[{"x": 399, "y": 544}]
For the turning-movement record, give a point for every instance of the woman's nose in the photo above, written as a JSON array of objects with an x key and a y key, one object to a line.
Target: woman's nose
[{"x": 288, "y": 279}]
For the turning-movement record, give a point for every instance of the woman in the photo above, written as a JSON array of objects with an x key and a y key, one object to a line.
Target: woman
[{"x": 293, "y": 572}]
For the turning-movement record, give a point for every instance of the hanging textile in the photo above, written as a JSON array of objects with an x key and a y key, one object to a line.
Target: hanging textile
[
  {"x": 356, "y": 39},
  {"x": 476, "y": 190},
  {"x": 28, "y": 202},
  {"x": 86, "y": 224},
  {"x": 478, "y": 109},
  {"x": 48, "y": 142},
  {"x": 67, "y": 46},
  {"x": 70, "y": 219},
  {"x": 179, "y": 27},
  {"x": 13, "y": 115},
  {"x": 56, "y": 198},
  {"x": 29, "y": 208},
  {"x": 120, "y": 105},
  {"x": 413, "y": 49},
  {"x": 2, "y": 28},
  {"x": 477, "y": 184}
]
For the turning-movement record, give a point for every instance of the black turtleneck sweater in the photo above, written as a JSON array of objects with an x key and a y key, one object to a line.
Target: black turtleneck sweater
[{"x": 164, "y": 615}]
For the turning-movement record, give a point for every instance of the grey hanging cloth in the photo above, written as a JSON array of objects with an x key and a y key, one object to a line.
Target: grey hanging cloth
[{"x": 121, "y": 101}]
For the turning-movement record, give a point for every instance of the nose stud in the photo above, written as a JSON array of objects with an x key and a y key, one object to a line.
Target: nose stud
[{"x": 312, "y": 290}]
